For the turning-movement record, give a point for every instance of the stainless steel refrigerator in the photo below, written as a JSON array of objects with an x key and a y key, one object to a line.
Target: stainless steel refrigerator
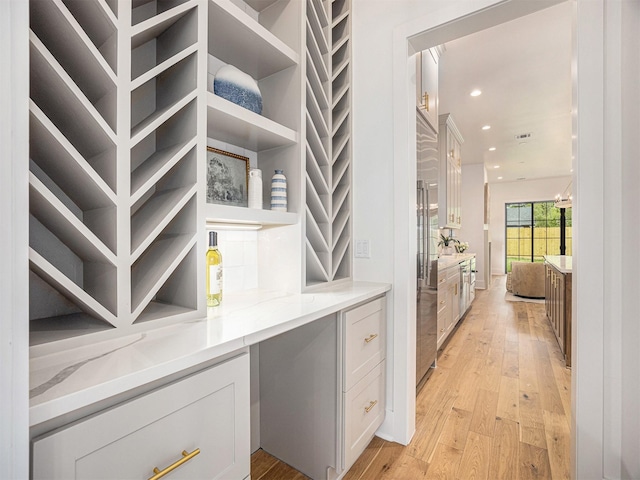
[{"x": 427, "y": 253}]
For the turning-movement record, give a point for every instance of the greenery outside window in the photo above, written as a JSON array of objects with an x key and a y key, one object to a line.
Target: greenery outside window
[{"x": 535, "y": 229}]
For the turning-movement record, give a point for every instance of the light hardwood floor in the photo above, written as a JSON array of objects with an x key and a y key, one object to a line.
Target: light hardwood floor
[{"x": 496, "y": 407}]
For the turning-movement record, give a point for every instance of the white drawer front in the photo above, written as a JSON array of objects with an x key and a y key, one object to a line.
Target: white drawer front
[
  {"x": 364, "y": 412},
  {"x": 365, "y": 332},
  {"x": 207, "y": 411}
]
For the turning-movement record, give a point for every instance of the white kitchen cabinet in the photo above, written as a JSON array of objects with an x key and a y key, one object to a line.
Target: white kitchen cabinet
[
  {"x": 322, "y": 390},
  {"x": 448, "y": 301},
  {"x": 201, "y": 420},
  {"x": 427, "y": 85},
  {"x": 364, "y": 376},
  {"x": 449, "y": 191}
]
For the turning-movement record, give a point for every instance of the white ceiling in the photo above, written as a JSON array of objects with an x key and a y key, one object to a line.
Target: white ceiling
[{"x": 523, "y": 68}]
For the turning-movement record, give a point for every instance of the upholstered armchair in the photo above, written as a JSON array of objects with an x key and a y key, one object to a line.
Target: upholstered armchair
[{"x": 527, "y": 279}]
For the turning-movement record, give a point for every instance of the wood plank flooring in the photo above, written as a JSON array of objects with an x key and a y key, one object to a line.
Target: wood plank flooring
[{"x": 497, "y": 406}]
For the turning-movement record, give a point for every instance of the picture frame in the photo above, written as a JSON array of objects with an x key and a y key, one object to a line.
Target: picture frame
[{"x": 227, "y": 178}]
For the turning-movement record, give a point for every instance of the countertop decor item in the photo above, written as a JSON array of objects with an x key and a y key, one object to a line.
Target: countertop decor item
[
  {"x": 462, "y": 247},
  {"x": 238, "y": 87},
  {"x": 279, "y": 192},
  {"x": 448, "y": 244},
  {"x": 227, "y": 178},
  {"x": 255, "y": 188}
]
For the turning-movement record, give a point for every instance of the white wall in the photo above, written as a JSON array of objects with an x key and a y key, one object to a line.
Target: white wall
[
  {"x": 14, "y": 199},
  {"x": 472, "y": 231},
  {"x": 520, "y": 191}
]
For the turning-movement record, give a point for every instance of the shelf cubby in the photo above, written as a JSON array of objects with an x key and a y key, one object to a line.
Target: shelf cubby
[
  {"x": 340, "y": 58},
  {"x": 99, "y": 22},
  {"x": 159, "y": 47},
  {"x": 230, "y": 123},
  {"x": 317, "y": 233},
  {"x": 178, "y": 294},
  {"x": 155, "y": 265},
  {"x": 340, "y": 223},
  {"x": 152, "y": 213},
  {"x": 154, "y": 100},
  {"x": 144, "y": 10},
  {"x": 318, "y": 204},
  {"x": 319, "y": 90},
  {"x": 316, "y": 274},
  {"x": 238, "y": 39},
  {"x": 318, "y": 174},
  {"x": 321, "y": 13},
  {"x": 68, "y": 255},
  {"x": 317, "y": 116},
  {"x": 80, "y": 34},
  {"x": 318, "y": 146},
  {"x": 316, "y": 26},
  {"x": 317, "y": 57},
  {"x": 53, "y": 91},
  {"x": 82, "y": 182},
  {"x": 340, "y": 168}
]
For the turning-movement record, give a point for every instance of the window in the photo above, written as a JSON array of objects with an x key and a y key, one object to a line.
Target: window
[{"x": 536, "y": 229}]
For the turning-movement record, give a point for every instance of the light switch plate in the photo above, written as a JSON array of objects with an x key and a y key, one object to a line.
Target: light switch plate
[{"x": 362, "y": 249}]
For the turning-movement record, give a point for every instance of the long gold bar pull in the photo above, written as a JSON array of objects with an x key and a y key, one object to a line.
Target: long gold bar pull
[
  {"x": 425, "y": 105},
  {"x": 372, "y": 404},
  {"x": 185, "y": 458},
  {"x": 371, "y": 337}
]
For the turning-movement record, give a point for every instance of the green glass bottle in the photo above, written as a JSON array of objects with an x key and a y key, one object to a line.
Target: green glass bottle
[{"x": 214, "y": 272}]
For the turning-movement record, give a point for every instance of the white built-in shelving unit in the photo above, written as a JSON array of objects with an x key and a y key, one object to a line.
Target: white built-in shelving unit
[
  {"x": 121, "y": 110},
  {"x": 114, "y": 149},
  {"x": 327, "y": 217}
]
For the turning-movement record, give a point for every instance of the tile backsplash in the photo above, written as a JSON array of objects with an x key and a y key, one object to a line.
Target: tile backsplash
[{"x": 239, "y": 249}]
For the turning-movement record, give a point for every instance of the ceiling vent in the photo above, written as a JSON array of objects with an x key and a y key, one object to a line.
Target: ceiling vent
[{"x": 523, "y": 136}]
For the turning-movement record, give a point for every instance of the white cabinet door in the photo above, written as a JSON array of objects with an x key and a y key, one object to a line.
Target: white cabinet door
[
  {"x": 427, "y": 86},
  {"x": 450, "y": 192},
  {"x": 364, "y": 410},
  {"x": 364, "y": 340},
  {"x": 207, "y": 412}
]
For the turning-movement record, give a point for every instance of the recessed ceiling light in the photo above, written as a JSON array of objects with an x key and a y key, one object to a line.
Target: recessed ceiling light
[
  {"x": 491, "y": 149},
  {"x": 496, "y": 166},
  {"x": 499, "y": 178},
  {"x": 486, "y": 127},
  {"x": 476, "y": 93}
]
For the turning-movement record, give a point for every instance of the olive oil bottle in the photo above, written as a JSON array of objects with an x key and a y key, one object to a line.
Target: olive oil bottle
[{"x": 214, "y": 272}]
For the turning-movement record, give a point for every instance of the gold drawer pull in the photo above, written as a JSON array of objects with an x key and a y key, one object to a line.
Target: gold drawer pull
[
  {"x": 372, "y": 404},
  {"x": 185, "y": 458},
  {"x": 371, "y": 337}
]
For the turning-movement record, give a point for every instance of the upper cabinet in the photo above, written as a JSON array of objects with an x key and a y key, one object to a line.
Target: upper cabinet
[
  {"x": 449, "y": 193},
  {"x": 427, "y": 85}
]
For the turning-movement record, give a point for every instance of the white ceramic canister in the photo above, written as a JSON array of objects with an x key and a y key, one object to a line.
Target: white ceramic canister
[
  {"x": 255, "y": 188},
  {"x": 279, "y": 192}
]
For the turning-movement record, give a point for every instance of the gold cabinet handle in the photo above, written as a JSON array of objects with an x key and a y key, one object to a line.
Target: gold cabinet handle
[
  {"x": 185, "y": 458},
  {"x": 425, "y": 98},
  {"x": 442, "y": 302},
  {"x": 372, "y": 404},
  {"x": 371, "y": 337}
]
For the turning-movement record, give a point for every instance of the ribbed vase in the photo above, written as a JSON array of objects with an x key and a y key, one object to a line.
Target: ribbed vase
[{"x": 279, "y": 192}]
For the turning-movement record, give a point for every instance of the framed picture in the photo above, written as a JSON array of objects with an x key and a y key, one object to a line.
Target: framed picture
[{"x": 227, "y": 178}]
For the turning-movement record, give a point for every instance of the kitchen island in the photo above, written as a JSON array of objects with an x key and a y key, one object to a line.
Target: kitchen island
[{"x": 558, "y": 293}]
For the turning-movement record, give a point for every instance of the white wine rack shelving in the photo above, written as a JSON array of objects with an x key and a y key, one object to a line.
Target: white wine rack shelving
[
  {"x": 328, "y": 142},
  {"x": 113, "y": 164},
  {"x": 121, "y": 109}
]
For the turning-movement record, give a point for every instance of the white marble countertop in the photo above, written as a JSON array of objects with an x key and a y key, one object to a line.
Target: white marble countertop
[
  {"x": 64, "y": 382},
  {"x": 563, "y": 263},
  {"x": 446, "y": 261}
]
